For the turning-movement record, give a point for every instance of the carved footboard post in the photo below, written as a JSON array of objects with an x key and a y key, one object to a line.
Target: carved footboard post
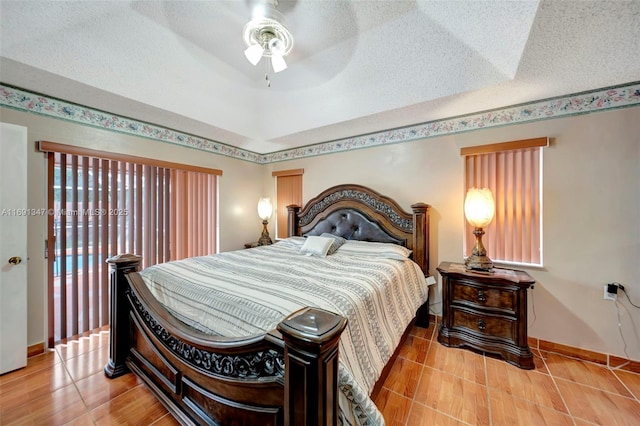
[
  {"x": 119, "y": 311},
  {"x": 311, "y": 338}
]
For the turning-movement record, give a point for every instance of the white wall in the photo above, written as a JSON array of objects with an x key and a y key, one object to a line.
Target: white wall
[
  {"x": 591, "y": 196},
  {"x": 591, "y": 229},
  {"x": 240, "y": 187}
]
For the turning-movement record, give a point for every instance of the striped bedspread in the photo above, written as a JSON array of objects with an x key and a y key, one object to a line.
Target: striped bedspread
[{"x": 248, "y": 292}]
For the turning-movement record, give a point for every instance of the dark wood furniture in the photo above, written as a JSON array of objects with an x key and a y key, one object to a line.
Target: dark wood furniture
[
  {"x": 287, "y": 376},
  {"x": 486, "y": 311}
]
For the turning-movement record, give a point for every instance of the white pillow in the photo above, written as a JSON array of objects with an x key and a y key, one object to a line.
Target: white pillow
[
  {"x": 374, "y": 249},
  {"x": 316, "y": 246},
  {"x": 296, "y": 241}
]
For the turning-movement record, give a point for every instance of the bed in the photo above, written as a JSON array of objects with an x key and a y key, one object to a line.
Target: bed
[{"x": 317, "y": 333}]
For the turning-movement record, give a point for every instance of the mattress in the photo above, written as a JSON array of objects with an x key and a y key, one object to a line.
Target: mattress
[{"x": 248, "y": 292}]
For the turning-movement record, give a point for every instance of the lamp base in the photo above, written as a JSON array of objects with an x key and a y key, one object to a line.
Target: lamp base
[
  {"x": 478, "y": 263},
  {"x": 264, "y": 239}
]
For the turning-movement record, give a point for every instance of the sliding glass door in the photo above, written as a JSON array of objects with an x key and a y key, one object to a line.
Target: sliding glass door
[{"x": 100, "y": 207}]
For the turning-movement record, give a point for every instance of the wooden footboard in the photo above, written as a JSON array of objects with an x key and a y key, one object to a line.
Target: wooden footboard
[{"x": 285, "y": 377}]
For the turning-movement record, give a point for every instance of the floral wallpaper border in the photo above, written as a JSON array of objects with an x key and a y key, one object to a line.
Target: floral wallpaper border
[
  {"x": 582, "y": 103},
  {"x": 23, "y": 100}
]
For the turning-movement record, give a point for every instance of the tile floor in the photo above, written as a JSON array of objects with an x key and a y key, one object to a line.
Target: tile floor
[
  {"x": 67, "y": 386},
  {"x": 429, "y": 384}
]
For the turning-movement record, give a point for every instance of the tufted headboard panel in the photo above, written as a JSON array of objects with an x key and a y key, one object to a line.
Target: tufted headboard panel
[
  {"x": 353, "y": 225},
  {"x": 358, "y": 213}
]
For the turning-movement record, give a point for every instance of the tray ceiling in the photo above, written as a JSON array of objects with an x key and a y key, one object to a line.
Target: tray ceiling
[{"x": 356, "y": 67}]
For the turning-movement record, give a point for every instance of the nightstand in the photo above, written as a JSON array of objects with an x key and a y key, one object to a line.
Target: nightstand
[{"x": 486, "y": 311}]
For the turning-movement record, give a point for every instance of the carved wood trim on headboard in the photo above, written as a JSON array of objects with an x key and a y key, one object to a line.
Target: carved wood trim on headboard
[{"x": 410, "y": 228}]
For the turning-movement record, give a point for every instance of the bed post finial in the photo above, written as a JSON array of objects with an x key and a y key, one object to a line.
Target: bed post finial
[
  {"x": 311, "y": 338},
  {"x": 121, "y": 265},
  {"x": 421, "y": 235},
  {"x": 292, "y": 220}
]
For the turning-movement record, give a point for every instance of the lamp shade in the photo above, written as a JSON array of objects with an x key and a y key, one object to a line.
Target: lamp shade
[
  {"x": 264, "y": 208},
  {"x": 479, "y": 207}
]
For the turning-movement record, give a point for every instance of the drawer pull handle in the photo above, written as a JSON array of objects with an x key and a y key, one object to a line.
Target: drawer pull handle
[
  {"x": 481, "y": 296},
  {"x": 481, "y": 324}
]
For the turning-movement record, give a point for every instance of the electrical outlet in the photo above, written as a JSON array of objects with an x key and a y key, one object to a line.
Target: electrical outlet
[{"x": 607, "y": 295}]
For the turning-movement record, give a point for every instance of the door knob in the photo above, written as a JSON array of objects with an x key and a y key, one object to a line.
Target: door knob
[{"x": 15, "y": 260}]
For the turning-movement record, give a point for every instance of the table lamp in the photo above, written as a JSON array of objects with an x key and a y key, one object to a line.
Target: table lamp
[
  {"x": 264, "y": 211},
  {"x": 479, "y": 209}
]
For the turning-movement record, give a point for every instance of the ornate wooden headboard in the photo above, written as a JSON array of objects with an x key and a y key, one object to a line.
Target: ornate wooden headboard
[{"x": 356, "y": 212}]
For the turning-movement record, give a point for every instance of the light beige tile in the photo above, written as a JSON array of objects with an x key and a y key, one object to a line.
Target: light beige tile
[
  {"x": 32, "y": 386},
  {"x": 454, "y": 396},
  {"x": 87, "y": 364},
  {"x": 597, "y": 406},
  {"x": 36, "y": 363},
  {"x": 415, "y": 349},
  {"x": 403, "y": 377},
  {"x": 585, "y": 373},
  {"x": 509, "y": 410},
  {"x": 98, "y": 389},
  {"x": 424, "y": 333},
  {"x": 537, "y": 388},
  {"x": 394, "y": 407},
  {"x": 137, "y": 406},
  {"x": 539, "y": 361},
  {"x": 82, "y": 345},
  {"x": 422, "y": 415},
  {"x": 84, "y": 420},
  {"x": 166, "y": 420},
  {"x": 457, "y": 361},
  {"x": 56, "y": 408},
  {"x": 631, "y": 381}
]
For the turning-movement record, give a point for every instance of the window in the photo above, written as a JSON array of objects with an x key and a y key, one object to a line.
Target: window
[
  {"x": 288, "y": 192},
  {"x": 103, "y": 204},
  {"x": 513, "y": 173}
]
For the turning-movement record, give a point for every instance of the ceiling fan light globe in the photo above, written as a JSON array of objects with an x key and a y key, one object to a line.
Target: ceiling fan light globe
[
  {"x": 278, "y": 63},
  {"x": 254, "y": 53},
  {"x": 276, "y": 47}
]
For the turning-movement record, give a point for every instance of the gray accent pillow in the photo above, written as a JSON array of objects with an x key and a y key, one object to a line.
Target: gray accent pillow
[{"x": 337, "y": 242}]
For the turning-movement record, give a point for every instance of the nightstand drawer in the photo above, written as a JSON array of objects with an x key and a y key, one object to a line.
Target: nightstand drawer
[
  {"x": 486, "y": 297},
  {"x": 488, "y": 325}
]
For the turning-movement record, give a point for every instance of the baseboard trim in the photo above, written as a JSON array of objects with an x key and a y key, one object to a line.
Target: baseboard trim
[
  {"x": 36, "y": 349},
  {"x": 608, "y": 360}
]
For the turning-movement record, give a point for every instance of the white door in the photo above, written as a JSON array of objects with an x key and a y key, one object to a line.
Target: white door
[{"x": 13, "y": 247}]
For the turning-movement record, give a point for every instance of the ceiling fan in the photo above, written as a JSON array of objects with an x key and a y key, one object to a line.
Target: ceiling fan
[{"x": 266, "y": 35}]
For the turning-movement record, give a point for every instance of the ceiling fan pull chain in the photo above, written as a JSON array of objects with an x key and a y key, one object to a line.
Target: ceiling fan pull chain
[{"x": 266, "y": 74}]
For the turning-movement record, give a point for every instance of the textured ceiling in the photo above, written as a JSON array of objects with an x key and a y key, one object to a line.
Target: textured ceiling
[{"x": 356, "y": 66}]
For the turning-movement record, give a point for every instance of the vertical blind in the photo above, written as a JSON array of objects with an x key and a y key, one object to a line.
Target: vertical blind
[
  {"x": 288, "y": 191},
  {"x": 100, "y": 207},
  {"x": 192, "y": 233},
  {"x": 514, "y": 178}
]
